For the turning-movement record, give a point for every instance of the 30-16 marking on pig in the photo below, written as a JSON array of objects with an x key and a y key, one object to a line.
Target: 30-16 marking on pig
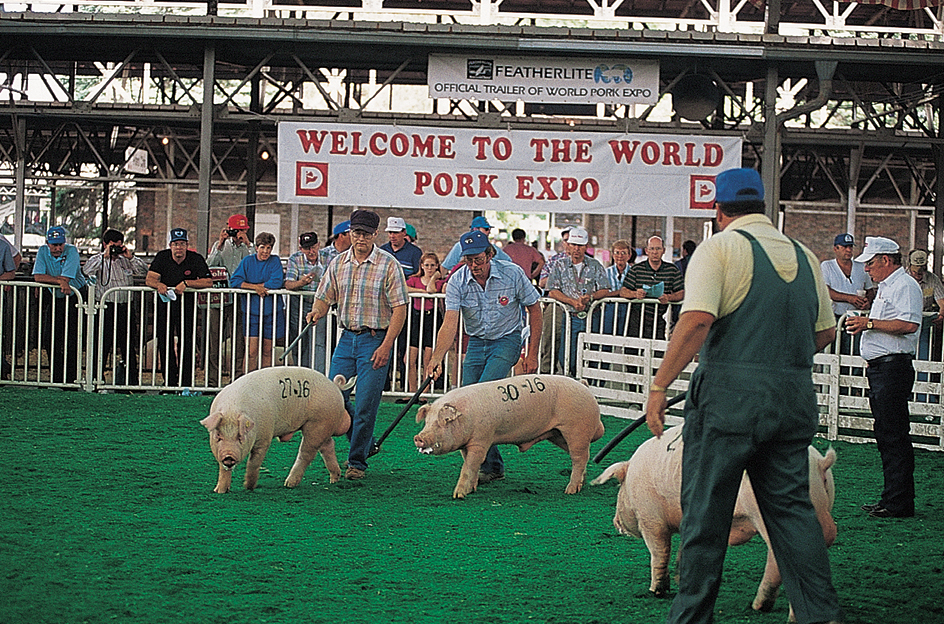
[
  {"x": 294, "y": 387},
  {"x": 510, "y": 392}
]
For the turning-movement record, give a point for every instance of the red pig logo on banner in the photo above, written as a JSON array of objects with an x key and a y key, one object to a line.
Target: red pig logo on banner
[
  {"x": 702, "y": 192},
  {"x": 311, "y": 179}
]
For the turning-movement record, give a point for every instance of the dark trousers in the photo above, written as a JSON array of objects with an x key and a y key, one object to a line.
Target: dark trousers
[
  {"x": 60, "y": 335},
  {"x": 890, "y": 385},
  {"x": 175, "y": 321}
]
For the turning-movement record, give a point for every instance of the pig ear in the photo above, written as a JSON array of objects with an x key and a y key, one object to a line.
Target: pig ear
[
  {"x": 449, "y": 413},
  {"x": 421, "y": 413},
  {"x": 245, "y": 424},
  {"x": 211, "y": 421}
]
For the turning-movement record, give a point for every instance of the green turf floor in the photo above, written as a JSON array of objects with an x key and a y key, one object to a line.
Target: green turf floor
[{"x": 108, "y": 515}]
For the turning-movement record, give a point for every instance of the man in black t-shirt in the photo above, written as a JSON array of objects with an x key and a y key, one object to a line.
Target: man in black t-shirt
[{"x": 174, "y": 273}]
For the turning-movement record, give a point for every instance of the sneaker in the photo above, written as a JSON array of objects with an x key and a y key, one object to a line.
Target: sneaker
[
  {"x": 488, "y": 477},
  {"x": 354, "y": 474}
]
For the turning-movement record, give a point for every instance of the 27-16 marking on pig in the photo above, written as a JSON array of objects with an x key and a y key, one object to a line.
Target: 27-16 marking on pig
[
  {"x": 295, "y": 387},
  {"x": 510, "y": 392}
]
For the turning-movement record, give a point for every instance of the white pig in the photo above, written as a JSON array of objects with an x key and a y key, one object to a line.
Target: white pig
[
  {"x": 649, "y": 506},
  {"x": 275, "y": 403},
  {"x": 519, "y": 410}
]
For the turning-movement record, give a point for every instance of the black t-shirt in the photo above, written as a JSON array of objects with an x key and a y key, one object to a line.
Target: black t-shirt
[{"x": 193, "y": 267}]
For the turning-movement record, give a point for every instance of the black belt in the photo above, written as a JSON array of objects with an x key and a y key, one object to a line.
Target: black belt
[
  {"x": 893, "y": 357},
  {"x": 363, "y": 330}
]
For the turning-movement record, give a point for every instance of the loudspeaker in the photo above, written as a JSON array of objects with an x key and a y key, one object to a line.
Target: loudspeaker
[{"x": 695, "y": 97}]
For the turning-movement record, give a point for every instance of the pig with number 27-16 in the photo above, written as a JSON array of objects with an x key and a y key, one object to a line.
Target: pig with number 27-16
[
  {"x": 520, "y": 410},
  {"x": 275, "y": 403}
]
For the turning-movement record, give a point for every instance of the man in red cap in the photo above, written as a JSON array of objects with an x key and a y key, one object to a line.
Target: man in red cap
[{"x": 226, "y": 254}]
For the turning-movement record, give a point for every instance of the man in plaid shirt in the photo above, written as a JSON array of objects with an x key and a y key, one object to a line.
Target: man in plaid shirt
[{"x": 370, "y": 291}]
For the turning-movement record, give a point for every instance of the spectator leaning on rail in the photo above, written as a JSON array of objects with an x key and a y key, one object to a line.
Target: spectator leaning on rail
[
  {"x": 303, "y": 273},
  {"x": 369, "y": 289},
  {"x": 751, "y": 402},
  {"x": 932, "y": 290},
  {"x": 57, "y": 264},
  {"x": 115, "y": 267},
  {"x": 174, "y": 273},
  {"x": 642, "y": 282},
  {"x": 10, "y": 259},
  {"x": 227, "y": 252},
  {"x": 889, "y": 342},
  {"x": 263, "y": 314},
  {"x": 490, "y": 294},
  {"x": 576, "y": 281}
]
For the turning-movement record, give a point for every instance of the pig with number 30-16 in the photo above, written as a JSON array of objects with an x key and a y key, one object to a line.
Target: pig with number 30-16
[
  {"x": 275, "y": 403},
  {"x": 520, "y": 410}
]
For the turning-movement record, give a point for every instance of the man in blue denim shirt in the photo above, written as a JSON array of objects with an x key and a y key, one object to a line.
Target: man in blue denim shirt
[{"x": 490, "y": 293}]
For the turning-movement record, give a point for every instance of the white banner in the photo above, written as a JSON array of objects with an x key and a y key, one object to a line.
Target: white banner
[
  {"x": 485, "y": 169},
  {"x": 547, "y": 80}
]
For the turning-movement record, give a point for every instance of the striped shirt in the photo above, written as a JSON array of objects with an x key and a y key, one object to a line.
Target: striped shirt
[
  {"x": 365, "y": 292},
  {"x": 616, "y": 278}
]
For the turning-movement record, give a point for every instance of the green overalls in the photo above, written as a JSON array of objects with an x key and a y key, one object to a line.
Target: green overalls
[{"x": 751, "y": 406}]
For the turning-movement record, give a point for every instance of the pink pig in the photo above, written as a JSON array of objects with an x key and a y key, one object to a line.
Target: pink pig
[
  {"x": 520, "y": 410},
  {"x": 649, "y": 506},
  {"x": 275, "y": 403}
]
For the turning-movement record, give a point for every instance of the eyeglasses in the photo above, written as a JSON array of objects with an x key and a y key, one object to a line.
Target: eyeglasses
[
  {"x": 869, "y": 263},
  {"x": 362, "y": 234},
  {"x": 476, "y": 260}
]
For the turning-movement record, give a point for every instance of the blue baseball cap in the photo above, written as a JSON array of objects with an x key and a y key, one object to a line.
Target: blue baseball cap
[
  {"x": 844, "y": 240},
  {"x": 178, "y": 234},
  {"x": 473, "y": 242},
  {"x": 480, "y": 222},
  {"x": 737, "y": 185},
  {"x": 342, "y": 227},
  {"x": 56, "y": 235}
]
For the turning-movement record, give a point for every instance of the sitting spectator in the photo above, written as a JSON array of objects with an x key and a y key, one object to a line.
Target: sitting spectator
[
  {"x": 115, "y": 267},
  {"x": 261, "y": 273},
  {"x": 303, "y": 273},
  {"x": 643, "y": 282},
  {"x": 174, "y": 273},
  {"x": 524, "y": 255},
  {"x": 57, "y": 264},
  {"x": 575, "y": 281},
  {"x": 426, "y": 317}
]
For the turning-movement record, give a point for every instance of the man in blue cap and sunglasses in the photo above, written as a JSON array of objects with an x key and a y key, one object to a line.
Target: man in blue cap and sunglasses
[{"x": 757, "y": 309}]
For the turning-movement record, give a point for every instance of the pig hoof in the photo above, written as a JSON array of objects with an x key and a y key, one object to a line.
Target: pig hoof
[
  {"x": 335, "y": 478},
  {"x": 290, "y": 483},
  {"x": 573, "y": 489}
]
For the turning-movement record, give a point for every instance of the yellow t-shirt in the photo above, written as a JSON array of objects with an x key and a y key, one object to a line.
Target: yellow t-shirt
[{"x": 721, "y": 269}]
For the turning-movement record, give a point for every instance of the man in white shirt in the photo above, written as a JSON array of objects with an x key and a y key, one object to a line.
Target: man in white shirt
[{"x": 848, "y": 283}]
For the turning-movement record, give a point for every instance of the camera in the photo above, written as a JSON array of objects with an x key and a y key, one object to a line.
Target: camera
[
  {"x": 117, "y": 250},
  {"x": 232, "y": 232}
]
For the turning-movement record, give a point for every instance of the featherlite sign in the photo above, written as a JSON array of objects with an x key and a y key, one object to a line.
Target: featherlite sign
[
  {"x": 545, "y": 80},
  {"x": 495, "y": 169}
]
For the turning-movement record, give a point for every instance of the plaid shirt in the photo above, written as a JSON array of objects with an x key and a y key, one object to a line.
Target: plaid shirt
[
  {"x": 365, "y": 292},
  {"x": 298, "y": 265},
  {"x": 565, "y": 278},
  {"x": 327, "y": 254}
]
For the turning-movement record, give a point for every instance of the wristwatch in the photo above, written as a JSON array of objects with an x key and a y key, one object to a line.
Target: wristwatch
[{"x": 869, "y": 324}]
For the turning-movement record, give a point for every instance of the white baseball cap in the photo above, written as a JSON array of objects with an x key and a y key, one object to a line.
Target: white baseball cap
[
  {"x": 875, "y": 245},
  {"x": 578, "y": 236},
  {"x": 395, "y": 224}
]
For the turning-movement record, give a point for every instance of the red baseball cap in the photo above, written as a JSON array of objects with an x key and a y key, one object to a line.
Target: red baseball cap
[{"x": 238, "y": 222}]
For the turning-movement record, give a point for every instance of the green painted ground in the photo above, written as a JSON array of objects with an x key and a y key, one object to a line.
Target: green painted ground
[{"x": 108, "y": 515}]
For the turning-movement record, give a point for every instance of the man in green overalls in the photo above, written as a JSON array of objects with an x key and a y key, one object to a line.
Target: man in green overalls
[{"x": 757, "y": 308}]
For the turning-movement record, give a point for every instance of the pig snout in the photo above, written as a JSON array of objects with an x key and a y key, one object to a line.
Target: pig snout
[
  {"x": 229, "y": 461},
  {"x": 424, "y": 446}
]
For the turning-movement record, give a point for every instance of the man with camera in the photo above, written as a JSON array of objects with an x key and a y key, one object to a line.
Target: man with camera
[
  {"x": 115, "y": 267},
  {"x": 226, "y": 253}
]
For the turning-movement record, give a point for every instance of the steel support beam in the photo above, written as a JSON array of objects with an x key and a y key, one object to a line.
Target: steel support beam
[{"x": 206, "y": 149}]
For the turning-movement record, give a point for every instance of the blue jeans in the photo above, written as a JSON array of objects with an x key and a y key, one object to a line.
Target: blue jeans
[
  {"x": 488, "y": 360},
  {"x": 577, "y": 325},
  {"x": 352, "y": 357}
]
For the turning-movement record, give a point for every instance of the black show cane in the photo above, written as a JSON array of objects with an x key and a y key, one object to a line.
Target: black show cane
[
  {"x": 630, "y": 428},
  {"x": 416, "y": 397},
  {"x": 291, "y": 346}
]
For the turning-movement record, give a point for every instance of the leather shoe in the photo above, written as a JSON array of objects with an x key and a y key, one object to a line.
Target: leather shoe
[
  {"x": 882, "y": 512},
  {"x": 869, "y": 507},
  {"x": 353, "y": 473}
]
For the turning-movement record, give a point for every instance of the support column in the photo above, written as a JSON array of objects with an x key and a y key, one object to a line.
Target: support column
[
  {"x": 852, "y": 199},
  {"x": 770, "y": 166},
  {"x": 252, "y": 153},
  {"x": 206, "y": 148},
  {"x": 19, "y": 206},
  {"x": 938, "y": 152}
]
